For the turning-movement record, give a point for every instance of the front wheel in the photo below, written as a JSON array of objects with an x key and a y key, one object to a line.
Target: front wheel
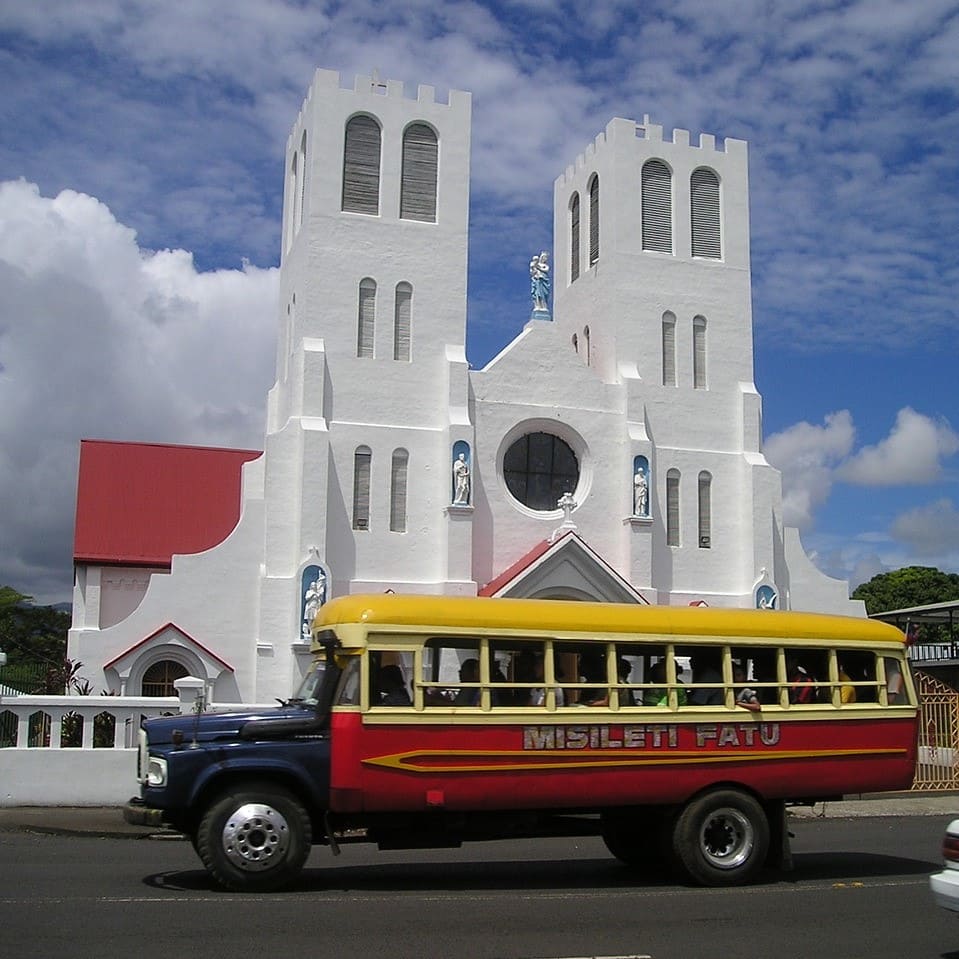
[
  {"x": 721, "y": 838},
  {"x": 254, "y": 838}
]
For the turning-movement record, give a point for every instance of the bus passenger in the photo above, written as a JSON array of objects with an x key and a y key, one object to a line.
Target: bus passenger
[
  {"x": 745, "y": 697},
  {"x": 659, "y": 696},
  {"x": 847, "y": 692},
  {"x": 469, "y": 673},
  {"x": 392, "y": 687},
  {"x": 706, "y": 670},
  {"x": 802, "y": 688}
]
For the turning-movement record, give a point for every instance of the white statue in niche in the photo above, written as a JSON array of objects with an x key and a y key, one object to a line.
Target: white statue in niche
[
  {"x": 313, "y": 599},
  {"x": 461, "y": 481},
  {"x": 640, "y": 493},
  {"x": 539, "y": 282}
]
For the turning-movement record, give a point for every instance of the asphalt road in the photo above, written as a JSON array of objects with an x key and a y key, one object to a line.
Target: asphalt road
[{"x": 859, "y": 889}]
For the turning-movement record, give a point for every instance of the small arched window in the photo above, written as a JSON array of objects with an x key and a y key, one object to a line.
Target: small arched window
[
  {"x": 366, "y": 318},
  {"x": 575, "y": 343},
  {"x": 594, "y": 220},
  {"x": 704, "y": 210},
  {"x": 292, "y": 188},
  {"x": 361, "y": 166},
  {"x": 402, "y": 319},
  {"x": 705, "y": 510},
  {"x": 301, "y": 205},
  {"x": 398, "y": 473},
  {"x": 669, "y": 349},
  {"x": 672, "y": 508},
  {"x": 586, "y": 349},
  {"x": 699, "y": 352},
  {"x": 362, "y": 464},
  {"x": 418, "y": 179},
  {"x": 159, "y": 678},
  {"x": 657, "y": 207},
  {"x": 574, "y": 238}
]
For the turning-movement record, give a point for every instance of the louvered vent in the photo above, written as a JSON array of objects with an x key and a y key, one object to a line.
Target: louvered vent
[
  {"x": 669, "y": 350},
  {"x": 398, "y": 475},
  {"x": 402, "y": 314},
  {"x": 366, "y": 318},
  {"x": 657, "y": 207},
  {"x": 574, "y": 238},
  {"x": 362, "y": 460},
  {"x": 361, "y": 166},
  {"x": 704, "y": 202},
  {"x": 593, "y": 220},
  {"x": 418, "y": 188}
]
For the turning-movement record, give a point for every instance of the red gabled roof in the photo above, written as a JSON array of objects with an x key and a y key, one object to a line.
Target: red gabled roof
[
  {"x": 526, "y": 560},
  {"x": 139, "y": 503}
]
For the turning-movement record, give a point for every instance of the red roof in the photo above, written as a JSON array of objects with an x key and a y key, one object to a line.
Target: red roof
[
  {"x": 139, "y": 503},
  {"x": 525, "y": 561}
]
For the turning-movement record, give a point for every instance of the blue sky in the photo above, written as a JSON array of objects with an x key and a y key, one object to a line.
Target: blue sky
[{"x": 140, "y": 193}]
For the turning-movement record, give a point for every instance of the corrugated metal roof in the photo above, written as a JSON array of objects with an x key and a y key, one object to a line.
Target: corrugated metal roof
[{"x": 139, "y": 503}]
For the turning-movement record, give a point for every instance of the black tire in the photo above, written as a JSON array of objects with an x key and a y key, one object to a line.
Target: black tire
[
  {"x": 721, "y": 838},
  {"x": 254, "y": 838},
  {"x": 634, "y": 837}
]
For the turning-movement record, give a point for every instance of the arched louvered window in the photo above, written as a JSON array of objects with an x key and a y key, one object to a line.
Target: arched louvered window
[
  {"x": 672, "y": 508},
  {"x": 398, "y": 471},
  {"x": 361, "y": 166},
  {"x": 669, "y": 349},
  {"x": 418, "y": 179},
  {"x": 402, "y": 318},
  {"x": 362, "y": 463},
  {"x": 704, "y": 207},
  {"x": 699, "y": 352},
  {"x": 705, "y": 510},
  {"x": 574, "y": 238},
  {"x": 301, "y": 205},
  {"x": 657, "y": 207},
  {"x": 586, "y": 349},
  {"x": 593, "y": 220},
  {"x": 366, "y": 318}
]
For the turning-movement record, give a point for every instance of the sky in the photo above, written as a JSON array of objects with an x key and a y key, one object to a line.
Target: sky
[{"x": 141, "y": 175}]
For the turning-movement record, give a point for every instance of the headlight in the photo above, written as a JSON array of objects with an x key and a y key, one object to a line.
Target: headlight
[{"x": 156, "y": 771}]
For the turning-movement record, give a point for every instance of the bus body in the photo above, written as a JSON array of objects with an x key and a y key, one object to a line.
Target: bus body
[{"x": 675, "y": 733}]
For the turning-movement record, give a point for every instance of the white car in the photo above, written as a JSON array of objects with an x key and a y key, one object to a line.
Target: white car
[{"x": 945, "y": 884}]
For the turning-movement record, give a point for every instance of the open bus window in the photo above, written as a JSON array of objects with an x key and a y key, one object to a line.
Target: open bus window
[
  {"x": 451, "y": 672},
  {"x": 518, "y": 672},
  {"x": 349, "y": 691},
  {"x": 896, "y": 692},
  {"x": 754, "y": 676},
  {"x": 705, "y": 686},
  {"x": 642, "y": 676},
  {"x": 391, "y": 674},
  {"x": 581, "y": 673},
  {"x": 856, "y": 675},
  {"x": 807, "y": 676}
]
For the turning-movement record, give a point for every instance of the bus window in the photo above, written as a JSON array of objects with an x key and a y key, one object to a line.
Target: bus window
[
  {"x": 641, "y": 674},
  {"x": 451, "y": 672},
  {"x": 390, "y": 678},
  {"x": 582, "y": 673},
  {"x": 758, "y": 667},
  {"x": 807, "y": 676},
  {"x": 706, "y": 685},
  {"x": 856, "y": 674},
  {"x": 520, "y": 666},
  {"x": 349, "y": 692},
  {"x": 896, "y": 694}
]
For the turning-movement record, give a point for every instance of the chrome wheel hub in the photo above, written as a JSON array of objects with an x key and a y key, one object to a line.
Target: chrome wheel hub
[
  {"x": 727, "y": 838},
  {"x": 256, "y": 836}
]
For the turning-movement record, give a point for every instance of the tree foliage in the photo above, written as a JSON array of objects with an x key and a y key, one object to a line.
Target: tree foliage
[
  {"x": 909, "y": 586},
  {"x": 35, "y": 641}
]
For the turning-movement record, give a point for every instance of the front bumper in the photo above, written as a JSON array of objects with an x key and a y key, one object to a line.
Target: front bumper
[
  {"x": 945, "y": 889},
  {"x": 138, "y": 813}
]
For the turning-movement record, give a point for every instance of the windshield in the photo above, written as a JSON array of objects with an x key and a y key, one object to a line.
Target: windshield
[{"x": 309, "y": 691}]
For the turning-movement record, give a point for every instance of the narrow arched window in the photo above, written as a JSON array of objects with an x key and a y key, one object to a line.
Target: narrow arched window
[
  {"x": 301, "y": 205},
  {"x": 402, "y": 318},
  {"x": 361, "y": 166},
  {"x": 705, "y": 510},
  {"x": 366, "y": 318},
  {"x": 594, "y": 220},
  {"x": 398, "y": 472},
  {"x": 362, "y": 463},
  {"x": 574, "y": 238},
  {"x": 418, "y": 179},
  {"x": 575, "y": 343},
  {"x": 669, "y": 349},
  {"x": 699, "y": 352},
  {"x": 657, "y": 207},
  {"x": 704, "y": 210},
  {"x": 586, "y": 349},
  {"x": 291, "y": 200},
  {"x": 672, "y": 508}
]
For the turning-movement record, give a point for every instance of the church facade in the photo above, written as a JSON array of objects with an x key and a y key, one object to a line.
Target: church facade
[{"x": 612, "y": 451}]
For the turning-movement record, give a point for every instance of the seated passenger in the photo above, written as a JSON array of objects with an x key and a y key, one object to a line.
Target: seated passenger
[
  {"x": 706, "y": 670},
  {"x": 392, "y": 687},
  {"x": 469, "y": 673},
  {"x": 847, "y": 692},
  {"x": 802, "y": 687},
  {"x": 745, "y": 697},
  {"x": 660, "y": 696}
]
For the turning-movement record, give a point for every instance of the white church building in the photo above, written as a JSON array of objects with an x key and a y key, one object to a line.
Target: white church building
[{"x": 612, "y": 451}]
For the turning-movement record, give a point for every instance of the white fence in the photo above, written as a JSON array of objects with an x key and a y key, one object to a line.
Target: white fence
[{"x": 79, "y": 750}]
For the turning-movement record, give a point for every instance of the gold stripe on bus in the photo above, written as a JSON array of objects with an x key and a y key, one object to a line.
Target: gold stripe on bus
[{"x": 417, "y": 761}]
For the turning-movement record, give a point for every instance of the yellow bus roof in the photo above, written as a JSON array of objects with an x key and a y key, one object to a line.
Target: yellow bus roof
[{"x": 435, "y": 613}]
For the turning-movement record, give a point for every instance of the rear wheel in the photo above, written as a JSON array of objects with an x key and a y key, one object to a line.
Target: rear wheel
[
  {"x": 721, "y": 838},
  {"x": 254, "y": 838}
]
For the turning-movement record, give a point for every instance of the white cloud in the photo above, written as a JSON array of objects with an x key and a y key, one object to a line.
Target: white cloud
[
  {"x": 930, "y": 531},
  {"x": 912, "y": 453},
  {"x": 807, "y": 456},
  {"x": 101, "y": 339}
]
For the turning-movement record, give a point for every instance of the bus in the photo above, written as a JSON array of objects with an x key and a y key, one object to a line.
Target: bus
[{"x": 677, "y": 734}]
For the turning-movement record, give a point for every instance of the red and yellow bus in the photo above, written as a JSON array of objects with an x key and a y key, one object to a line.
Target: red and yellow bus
[{"x": 677, "y": 734}]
